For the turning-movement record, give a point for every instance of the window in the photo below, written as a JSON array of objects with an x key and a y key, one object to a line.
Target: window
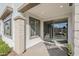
[
  {"x": 7, "y": 27},
  {"x": 35, "y": 27}
]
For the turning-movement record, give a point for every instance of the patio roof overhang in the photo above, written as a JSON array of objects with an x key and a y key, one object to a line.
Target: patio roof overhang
[
  {"x": 47, "y": 11},
  {"x": 26, "y": 7},
  {"x": 7, "y": 11}
]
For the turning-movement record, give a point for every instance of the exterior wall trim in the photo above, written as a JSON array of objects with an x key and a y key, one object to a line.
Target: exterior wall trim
[
  {"x": 7, "y": 11},
  {"x": 26, "y": 7},
  {"x": 19, "y": 18}
]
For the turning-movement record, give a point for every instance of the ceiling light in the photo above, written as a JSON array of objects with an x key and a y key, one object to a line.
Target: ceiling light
[{"x": 61, "y": 6}]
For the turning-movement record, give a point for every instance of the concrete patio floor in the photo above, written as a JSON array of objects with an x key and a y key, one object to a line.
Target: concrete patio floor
[{"x": 44, "y": 49}]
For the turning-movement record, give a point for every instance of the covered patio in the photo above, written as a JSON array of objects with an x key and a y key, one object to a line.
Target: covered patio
[
  {"x": 39, "y": 28},
  {"x": 43, "y": 22},
  {"x": 43, "y": 49},
  {"x": 53, "y": 35}
]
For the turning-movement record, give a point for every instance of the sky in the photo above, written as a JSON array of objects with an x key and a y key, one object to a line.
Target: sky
[{"x": 60, "y": 25}]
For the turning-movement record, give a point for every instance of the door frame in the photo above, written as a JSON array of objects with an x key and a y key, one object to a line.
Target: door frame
[{"x": 55, "y": 20}]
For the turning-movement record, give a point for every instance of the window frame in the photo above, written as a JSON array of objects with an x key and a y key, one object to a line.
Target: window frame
[
  {"x": 10, "y": 26},
  {"x": 35, "y": 25}
]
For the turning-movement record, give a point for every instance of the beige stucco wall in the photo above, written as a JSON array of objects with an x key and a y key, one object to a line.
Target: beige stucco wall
[{"x": 76, "y": 30}]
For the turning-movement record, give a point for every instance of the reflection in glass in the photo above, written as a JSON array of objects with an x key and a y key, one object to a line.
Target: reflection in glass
[
  {"x": 34, "y": 27},
  {"x": 55, "y": 30},
  {"x": 60, "y": 30}
]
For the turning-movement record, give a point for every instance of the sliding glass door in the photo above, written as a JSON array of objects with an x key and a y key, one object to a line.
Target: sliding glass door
[
  {"x": 60, "y": 30},
  {"x": 55, "y": 30}
]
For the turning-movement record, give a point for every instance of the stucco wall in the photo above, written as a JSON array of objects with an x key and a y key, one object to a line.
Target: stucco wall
[{"x": 76, "y": 30}]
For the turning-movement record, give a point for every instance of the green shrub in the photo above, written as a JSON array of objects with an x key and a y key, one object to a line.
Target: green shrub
[
  {"x": 4, "y": 48},
  {"x": 1, "y": 42},
  {"x": 69, "y": 49}
]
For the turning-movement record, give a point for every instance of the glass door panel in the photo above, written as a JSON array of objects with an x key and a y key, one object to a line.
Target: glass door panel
[
  {"x": 55, "y": 30},
  {"x": 60, "y": 30}
]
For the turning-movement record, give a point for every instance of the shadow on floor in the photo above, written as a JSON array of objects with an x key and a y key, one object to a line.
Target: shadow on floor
[
  {"x": 63, "y": 41},
  {"x": 53, "y": 50},
  {"x": 43, "y": 49},
  {"x": 12, "y": 53}
]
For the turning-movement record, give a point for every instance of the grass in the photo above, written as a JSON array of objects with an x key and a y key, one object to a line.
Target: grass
[{"x": 4, "y": 48}]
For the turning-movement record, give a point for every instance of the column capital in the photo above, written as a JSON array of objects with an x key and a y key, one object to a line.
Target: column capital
[{"x": 19, "y": 18}]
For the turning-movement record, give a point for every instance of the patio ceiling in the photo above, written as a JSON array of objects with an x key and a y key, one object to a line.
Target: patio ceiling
[
  {"x": 27, "y": 6},
  {"x": 50, "y": 10}
]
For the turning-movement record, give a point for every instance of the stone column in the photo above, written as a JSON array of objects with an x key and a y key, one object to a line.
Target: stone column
[{"x": 19, "y": 35}]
